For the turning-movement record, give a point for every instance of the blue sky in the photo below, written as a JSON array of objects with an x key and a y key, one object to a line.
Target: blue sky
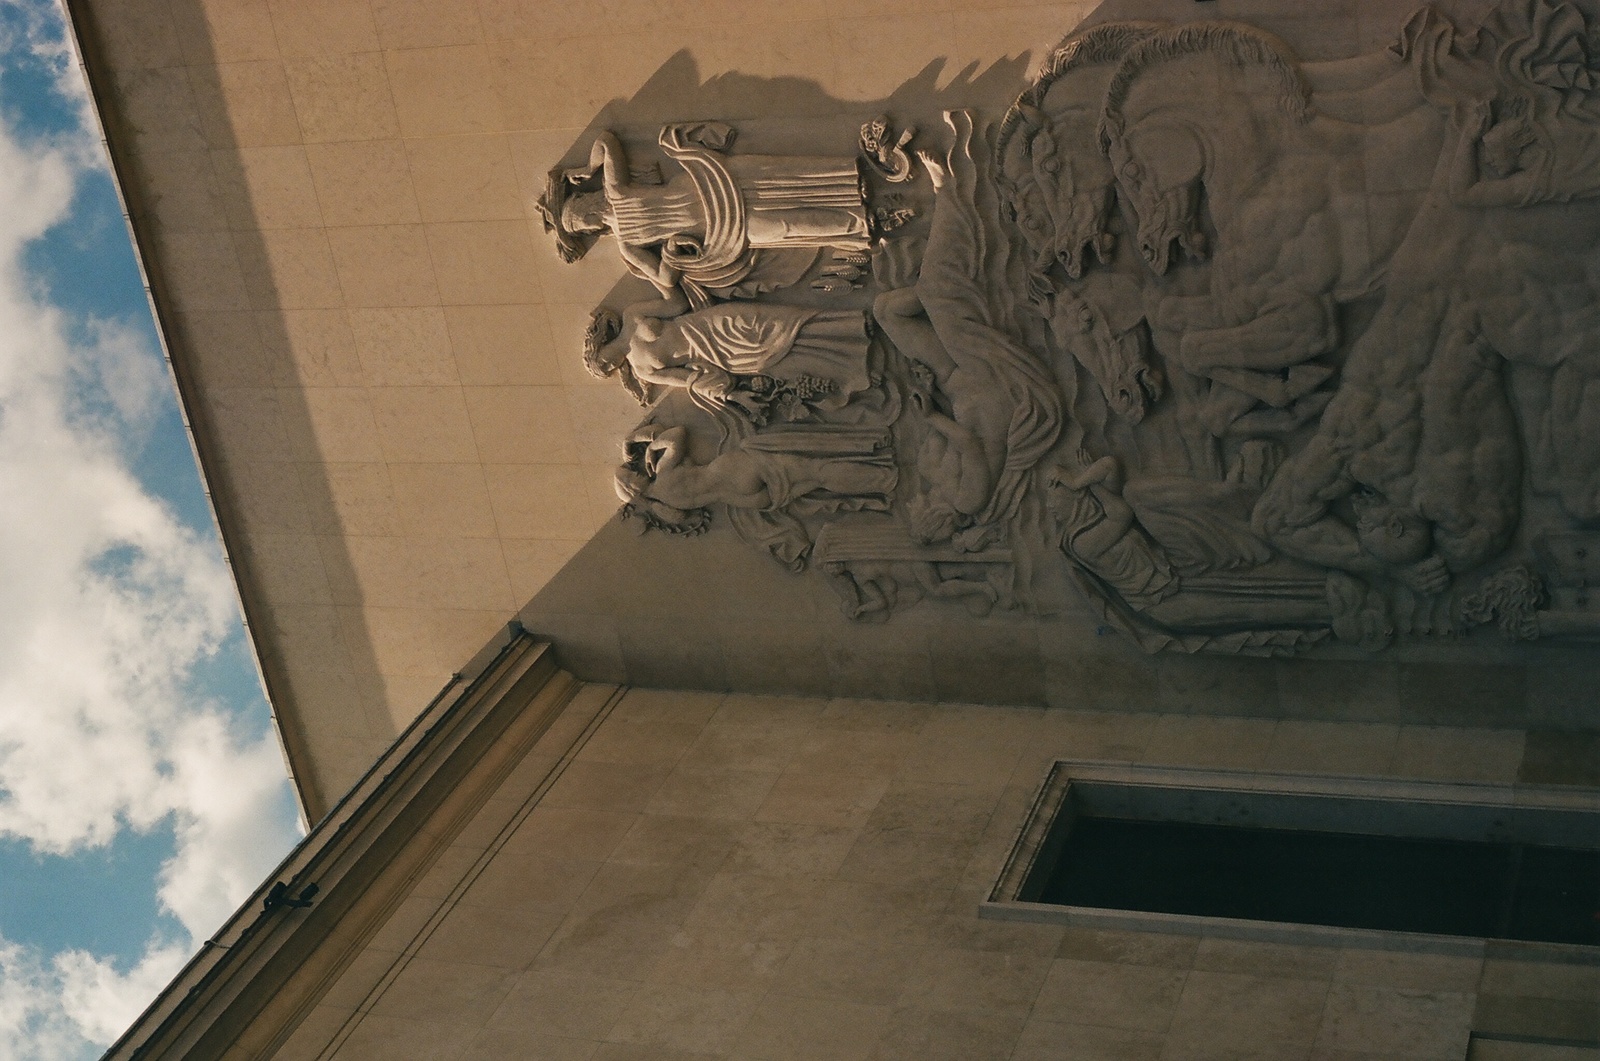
[{"x": 142, "y": 793}]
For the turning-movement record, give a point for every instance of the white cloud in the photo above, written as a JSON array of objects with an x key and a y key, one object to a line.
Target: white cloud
[
  {"x": 36, "y": 28},
  {"x": 73, "y": 1004},
  {"x": 99, "y": 1001},
  {"x": 224, "y": 852},
  {"x": 33, "y": 1022},
  {"x": 107, "y": 602},
  {"x": 118, "y": 364}
]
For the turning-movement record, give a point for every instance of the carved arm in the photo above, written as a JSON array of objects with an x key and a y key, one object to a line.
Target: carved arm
[
  {"x": 1297, "y": 521},
  {"x": 654, "y": 371},
  {"x": 674, "y": 304},
  {"x": 1089, "y": 473},
  {"x": 1469, "y": 187},
  {"x": 1096, "y": 540},
  {"x": 648, "y": 266},
  {"x": 609, "y": 157}
]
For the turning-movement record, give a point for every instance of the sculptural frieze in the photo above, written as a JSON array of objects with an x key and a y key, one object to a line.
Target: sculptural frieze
[
  {"x": 1253, "y": 352},
  {"x": 875, "y": 566}
]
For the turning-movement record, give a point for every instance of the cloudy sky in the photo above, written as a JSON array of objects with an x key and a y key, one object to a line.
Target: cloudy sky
[{"x": 142, "y": 793}]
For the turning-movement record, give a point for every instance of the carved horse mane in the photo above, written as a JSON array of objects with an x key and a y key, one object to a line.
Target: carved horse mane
[
  {"x": 1171, "y": 213},
  {"x": 1037, "y": 162},
  {"x": 1106, "y": 43},
  {"x": 1238, "y": 43}
]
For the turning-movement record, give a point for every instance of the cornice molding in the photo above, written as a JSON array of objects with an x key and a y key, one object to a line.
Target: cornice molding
[{"x": 252, "y": 983}]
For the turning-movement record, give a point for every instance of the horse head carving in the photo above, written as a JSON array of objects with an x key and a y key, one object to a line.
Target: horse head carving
[
  {"x": 1056, "y": 186},
  {"x": 1025, "y": 196},
  {"x": 1183, "y": 102},
  {"x": 1100, "y": 322}
]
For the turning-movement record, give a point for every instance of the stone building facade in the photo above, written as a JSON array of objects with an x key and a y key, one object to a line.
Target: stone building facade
[{"x": 698, "y": 803}]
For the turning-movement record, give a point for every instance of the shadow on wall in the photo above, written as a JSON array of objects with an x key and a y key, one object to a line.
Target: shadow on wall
[
  {"x": 709, "y": 612},
  {"x": 159, "y": 85}
]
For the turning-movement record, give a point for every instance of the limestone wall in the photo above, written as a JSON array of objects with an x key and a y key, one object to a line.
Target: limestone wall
[
  {"x": 774, "y": 878},
  {"x": 378, "y": 348}
]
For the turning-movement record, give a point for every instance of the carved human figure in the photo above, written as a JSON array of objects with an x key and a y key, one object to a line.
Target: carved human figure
[
  {"x": 871, "y": 590},
  {"x": 705, "y": 228},
  {"x": 1388, "y": 540},
  {"x": 1100, "y": 532},
  {"x": 992, "y": 410},
  {"x": 1523, "y": 89},
  {"x": 1398, "y": 539},
  {"x": 1422, "y": 417},
  {"x": 734, "y": 353},
  {"x": 1229, "y": 596},
  {"x": 954, "y": 466},
  {"x": 659, "y": 469},
  {"x": 765, "y": 480},
  {"x": 1526, "y": 607},
  {"x": 1517, "y": 601},
  {"x": 875, "y": 566}
]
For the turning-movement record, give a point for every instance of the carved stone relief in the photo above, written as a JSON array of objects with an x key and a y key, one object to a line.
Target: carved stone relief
[{"x": 1250, "y": 352}]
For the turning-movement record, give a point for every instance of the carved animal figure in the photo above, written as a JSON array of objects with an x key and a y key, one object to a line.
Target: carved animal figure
[
  {"x": 1221, "y": 113},
  {"x": 1056, "y": 186},
  {"x": 1099, "y": 320},
  {"x": 1059, "y": 190}
]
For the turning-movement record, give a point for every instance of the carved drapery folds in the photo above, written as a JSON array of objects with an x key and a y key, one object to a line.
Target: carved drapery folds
[{"x": 1253, "y": 352}]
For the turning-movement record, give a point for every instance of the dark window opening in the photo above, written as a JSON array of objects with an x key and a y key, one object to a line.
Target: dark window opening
[
  {"x": 1488, "y": 889},
  {"x": 1306, "y": 857}
]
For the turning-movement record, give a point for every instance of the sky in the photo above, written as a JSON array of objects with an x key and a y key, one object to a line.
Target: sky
[{"x": 143, "y": 794}]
